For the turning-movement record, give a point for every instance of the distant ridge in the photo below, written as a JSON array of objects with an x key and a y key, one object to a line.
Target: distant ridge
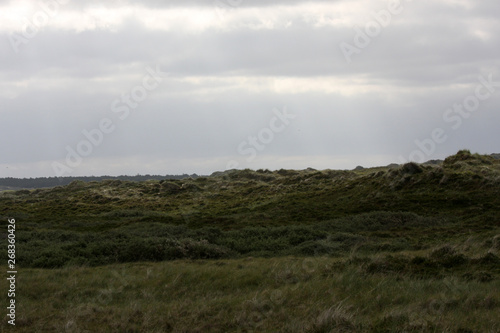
[
  {"x": 437, "y": 162},
  {"x": 46, "y": 182},
  {"x": 43, "y": 182},
  {"x": 434, "y": 162}
]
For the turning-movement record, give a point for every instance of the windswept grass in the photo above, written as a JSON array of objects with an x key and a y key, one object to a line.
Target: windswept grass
[
  {"x": 252, "y": 295},
  {"x": 411, "y": 248}
]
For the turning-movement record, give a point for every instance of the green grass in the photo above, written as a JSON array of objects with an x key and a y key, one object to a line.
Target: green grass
[
  {"x": 288, "y": 294},
  {"x": 463, "y": 187},
  {"x": 407, "y": 249},
  {"x": 131, "y": 241}
]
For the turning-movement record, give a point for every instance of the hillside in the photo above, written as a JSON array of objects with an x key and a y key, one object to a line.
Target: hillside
[
  {"x": 411, "y": 248},
  {"x": 305, "y": 205}
]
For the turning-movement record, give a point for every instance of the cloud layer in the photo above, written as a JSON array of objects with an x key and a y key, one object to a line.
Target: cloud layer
[{"x": 65, "y": 66}]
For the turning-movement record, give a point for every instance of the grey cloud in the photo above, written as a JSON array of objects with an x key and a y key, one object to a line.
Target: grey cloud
[{"x": 427, "y": 59}]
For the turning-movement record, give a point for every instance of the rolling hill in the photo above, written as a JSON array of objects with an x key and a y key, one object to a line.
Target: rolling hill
[{"x": 408, "y": 248}]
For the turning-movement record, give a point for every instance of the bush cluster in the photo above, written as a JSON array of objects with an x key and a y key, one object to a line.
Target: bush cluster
[{"x": 146, "y": 241}]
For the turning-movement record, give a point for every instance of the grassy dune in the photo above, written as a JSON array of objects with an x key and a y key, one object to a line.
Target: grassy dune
[{"x": 413, "y": 248}]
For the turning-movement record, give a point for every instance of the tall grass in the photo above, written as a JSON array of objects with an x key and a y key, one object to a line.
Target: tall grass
[{"x": 251, "y": 295}]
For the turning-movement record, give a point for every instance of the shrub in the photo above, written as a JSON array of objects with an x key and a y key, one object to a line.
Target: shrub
[{"x": 411, "y": 168}]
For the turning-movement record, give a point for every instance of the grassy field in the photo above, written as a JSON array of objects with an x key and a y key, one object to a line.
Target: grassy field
[
  {"x": 358, "y": 294},
  {"x": 413, "y": 248}
]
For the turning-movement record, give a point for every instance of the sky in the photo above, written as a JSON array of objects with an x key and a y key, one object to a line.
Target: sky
[{"x": 172, "y": 87}]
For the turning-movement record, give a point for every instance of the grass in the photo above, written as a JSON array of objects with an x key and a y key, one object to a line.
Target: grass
[
  {"x": 286, "y": 294},
  {"x": 154, "y": 241},
  {"x": 459, "y": 187},
  {"x": 413, "y": 248}
]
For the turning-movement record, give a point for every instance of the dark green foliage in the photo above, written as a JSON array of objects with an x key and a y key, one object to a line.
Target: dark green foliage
[
  {"x": 466, "y": 157},
  {"x": 438, "y": 263},
  {"x": 157, "y": 242},
  {"x": 138, "y": 241},
  {"x": 44, "y": 182},
  {"x": 411, "y": 168},
  {"x": 264, "y": 213},
  {"x": 412, "y": 248}
]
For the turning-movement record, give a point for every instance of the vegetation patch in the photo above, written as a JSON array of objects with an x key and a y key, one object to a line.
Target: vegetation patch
[{"x": 410, "y": 248}]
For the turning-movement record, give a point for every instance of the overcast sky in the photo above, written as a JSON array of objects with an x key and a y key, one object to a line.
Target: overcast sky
[{"x": 171, "y": 87}]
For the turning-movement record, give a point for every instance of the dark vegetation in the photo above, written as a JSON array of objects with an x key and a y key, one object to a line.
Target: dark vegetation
[
  {"x": 258, "y": 213},
  {"x": 10, "y": 183},
  {"x": 410, "y": 248},
  {"x": 365, "y": 233}
]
